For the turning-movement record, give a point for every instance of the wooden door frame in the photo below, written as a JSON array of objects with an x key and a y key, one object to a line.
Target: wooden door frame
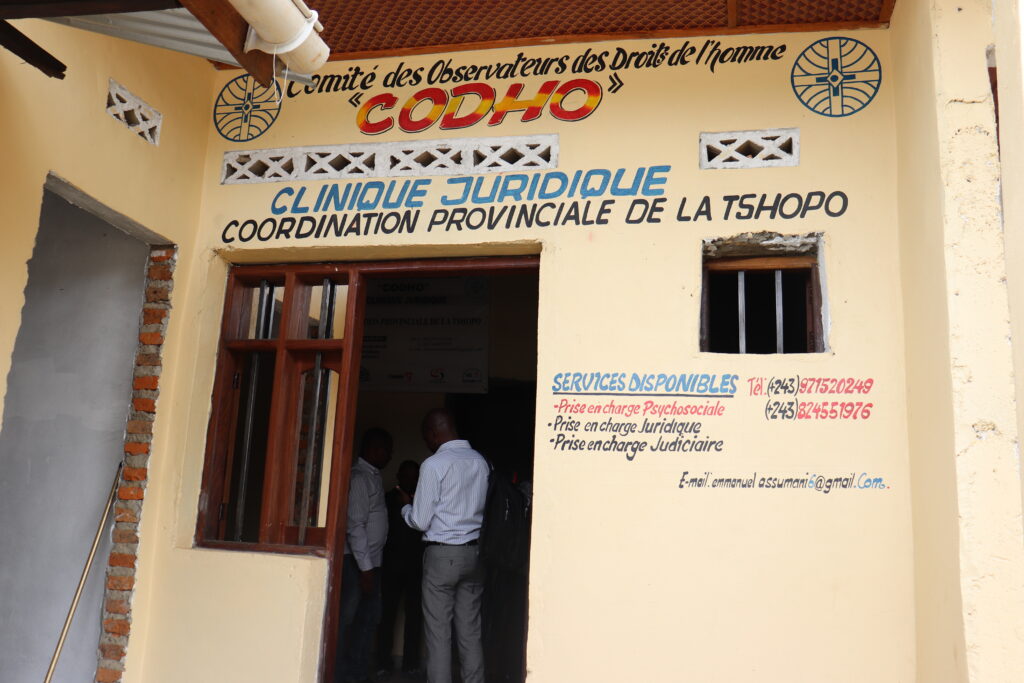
[{"x": 359, "y": 272}]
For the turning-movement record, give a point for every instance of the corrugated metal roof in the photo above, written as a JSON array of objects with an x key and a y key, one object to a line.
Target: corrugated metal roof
[{"x": 173, "y": 29}]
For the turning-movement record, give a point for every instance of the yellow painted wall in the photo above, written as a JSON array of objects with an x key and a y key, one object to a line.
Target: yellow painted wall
[
  {"x": 940, "y": 646},
  {"x": 1008, "y": 29},
  {"x": 963, "y": 425},
  {"x": 61, "y": 126},
  {"x": 633, "y": 578}
]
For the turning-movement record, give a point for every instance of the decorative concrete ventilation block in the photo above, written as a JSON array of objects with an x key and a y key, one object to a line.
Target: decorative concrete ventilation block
[
  {"x": 750, "y": 148},
  {"x": 130, "y": 110},
  {"x": 461, "y": 156}
]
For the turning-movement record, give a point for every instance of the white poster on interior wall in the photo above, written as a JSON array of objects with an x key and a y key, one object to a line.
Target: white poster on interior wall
[{"x": 425, "y": 334}]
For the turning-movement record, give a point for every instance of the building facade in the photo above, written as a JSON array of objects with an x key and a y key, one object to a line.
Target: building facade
[{"x": 767, "y": 299}]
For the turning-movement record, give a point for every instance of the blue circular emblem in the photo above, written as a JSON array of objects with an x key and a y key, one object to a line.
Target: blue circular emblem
[
  {"x": 244, "y": 109},
  {"x": 836, "y": 76}
]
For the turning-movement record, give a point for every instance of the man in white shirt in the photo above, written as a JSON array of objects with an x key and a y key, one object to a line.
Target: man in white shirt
[
  {"x": 449, "y": 510},
  {"x": 365, "y": 534}
]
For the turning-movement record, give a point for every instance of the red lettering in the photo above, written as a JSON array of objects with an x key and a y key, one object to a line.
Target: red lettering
[
  {"x": 592, "y": 91},
  {"x": 452, "y": 120},
  {"x": 531, "y": 108},
  {"x": 437, "y": 97},
  {"x": 383, "y": 101},
  {"x": 455, "y": 110}
]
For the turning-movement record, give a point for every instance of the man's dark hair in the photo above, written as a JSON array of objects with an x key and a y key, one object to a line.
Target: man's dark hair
[
  {"x": 441, "y": 420},
  {"x": 374, "y": 436}
]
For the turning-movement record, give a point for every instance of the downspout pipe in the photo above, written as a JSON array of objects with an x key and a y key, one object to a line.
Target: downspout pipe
[{"x": 286, "y": 28}]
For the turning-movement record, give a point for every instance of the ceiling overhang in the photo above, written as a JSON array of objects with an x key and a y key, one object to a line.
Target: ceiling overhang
[
  {"x": 381, "y": 28},
  {"x": 376, "y": 28}
]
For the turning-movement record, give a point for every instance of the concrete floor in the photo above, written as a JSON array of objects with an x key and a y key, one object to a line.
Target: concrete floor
[{"x": 399, "y": 677}]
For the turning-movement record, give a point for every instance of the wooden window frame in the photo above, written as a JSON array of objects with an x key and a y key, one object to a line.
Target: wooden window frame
[
  {"x": 777, "y": 262},
  {"x": 288, "y": 347},
  {"x": 273, "y": 534}
]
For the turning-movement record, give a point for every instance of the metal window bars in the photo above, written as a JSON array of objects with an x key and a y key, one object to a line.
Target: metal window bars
[
  {"x": 741, "y": 294},
  {"x": 317, "y": 415},
  {"x": 264, "y": 324}
]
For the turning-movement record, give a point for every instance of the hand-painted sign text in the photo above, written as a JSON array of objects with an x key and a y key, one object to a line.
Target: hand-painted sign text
[{"x": 470, "y": 103}]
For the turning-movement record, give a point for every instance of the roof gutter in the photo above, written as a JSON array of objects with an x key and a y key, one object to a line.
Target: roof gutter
[{"x": 287, "y": 29}]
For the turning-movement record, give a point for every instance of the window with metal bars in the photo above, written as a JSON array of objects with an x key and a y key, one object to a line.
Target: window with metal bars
[{"x": 762, "y": 304}]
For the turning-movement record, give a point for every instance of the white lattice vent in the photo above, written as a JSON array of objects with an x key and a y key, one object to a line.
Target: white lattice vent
[
  {"x": 387, "y": 159},
  {"x": 130, "y": 110},
  {"x": 750, "y": 148}
]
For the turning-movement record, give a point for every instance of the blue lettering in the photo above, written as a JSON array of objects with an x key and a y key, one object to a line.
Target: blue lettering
[
  {"x": 653, "y": 179},
  {"x": 296, "y": 203},
  {"x": 274, "y": 208},
  {"x": 467, "y": 183},
  {"x": 419, "y": 190}
]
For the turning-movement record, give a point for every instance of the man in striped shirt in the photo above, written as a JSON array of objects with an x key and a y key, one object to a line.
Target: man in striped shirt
[
  {"x": 449, "y": 510},
  {"x": 366, "y": 531}
]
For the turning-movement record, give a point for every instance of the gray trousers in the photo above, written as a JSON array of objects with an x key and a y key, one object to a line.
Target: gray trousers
[{"x": 453, "y": 587}]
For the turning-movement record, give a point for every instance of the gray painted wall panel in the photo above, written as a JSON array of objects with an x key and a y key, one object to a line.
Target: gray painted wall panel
[{"x": 68, "y": 393}]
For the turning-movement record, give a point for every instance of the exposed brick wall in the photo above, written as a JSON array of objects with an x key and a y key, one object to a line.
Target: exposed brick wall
[{"x": 120, "y": 575}]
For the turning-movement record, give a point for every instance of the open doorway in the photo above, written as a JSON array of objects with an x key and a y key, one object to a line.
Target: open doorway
[
  {"x": 311, "y": 355},
  {"x": 466, "y": 342}
]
